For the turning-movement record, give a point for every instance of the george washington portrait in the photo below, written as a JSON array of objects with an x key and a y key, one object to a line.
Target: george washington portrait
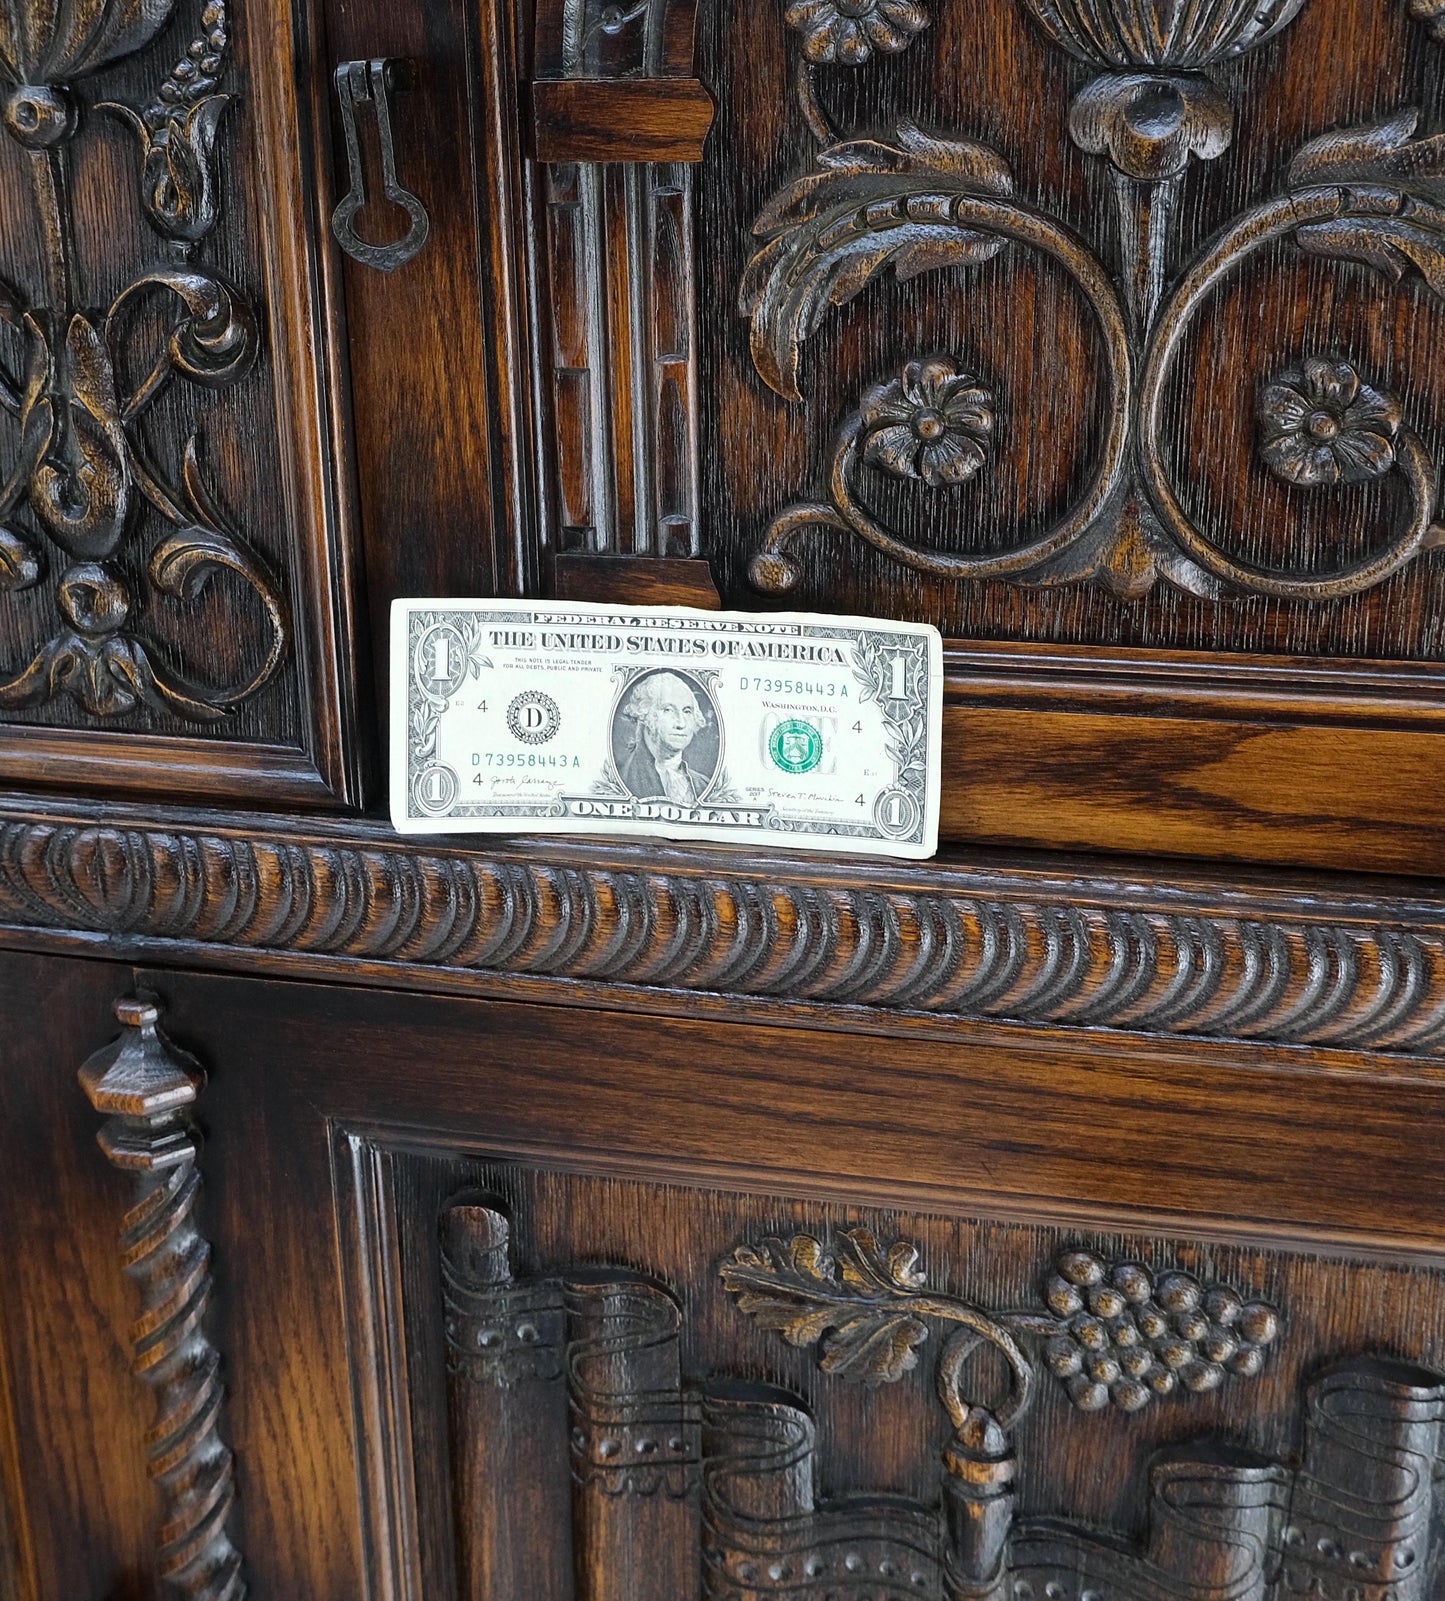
[{"x": 665, "y": 742}]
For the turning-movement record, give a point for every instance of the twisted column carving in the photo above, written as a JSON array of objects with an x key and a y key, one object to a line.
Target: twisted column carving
[{"x": 147, "y": 1087}]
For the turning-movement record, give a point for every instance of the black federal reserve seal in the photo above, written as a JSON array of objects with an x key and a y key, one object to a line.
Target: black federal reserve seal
[{"x": 533, "y": 717}]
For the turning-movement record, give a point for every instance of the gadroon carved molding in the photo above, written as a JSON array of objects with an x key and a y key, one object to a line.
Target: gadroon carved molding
[
  {"x": 1151, "y": 953},
  {"x": 80, "y": 468},
  {"x": 917, "y": 201},
  {"x": 147, "y": 1089}
]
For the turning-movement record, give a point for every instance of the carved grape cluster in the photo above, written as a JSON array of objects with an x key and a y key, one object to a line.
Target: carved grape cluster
[{"x": 1126, "y": 1336}]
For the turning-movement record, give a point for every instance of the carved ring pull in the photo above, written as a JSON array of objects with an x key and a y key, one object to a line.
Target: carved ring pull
[{"x": 361, "y": 83}]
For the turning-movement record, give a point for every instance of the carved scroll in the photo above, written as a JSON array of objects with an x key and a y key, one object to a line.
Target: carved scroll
[
  {"x": 714, "y": 1491},
  {"x": 147, "y": 1089},
  {"x": 1364, "y": 1502},
  {"x": 918, "y": 200},
  {"x": 574, "y": 1446},
  {"x": 764, "y": 1534},
  {"x": 634, "y": 1442}
]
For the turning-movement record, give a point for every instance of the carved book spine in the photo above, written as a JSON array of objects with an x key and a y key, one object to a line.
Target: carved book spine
[
  {"x": 507, "y": 1411},
  {"x": 764, "y": 1534},
  {"x": 635, "y": 1446}
]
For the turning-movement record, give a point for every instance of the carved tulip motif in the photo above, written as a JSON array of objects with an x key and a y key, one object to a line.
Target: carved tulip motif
[
  {"x": 1180, "y": 34},
  {"x": 177, "y": 137}
]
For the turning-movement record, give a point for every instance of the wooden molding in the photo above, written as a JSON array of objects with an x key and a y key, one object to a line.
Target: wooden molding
[
  {"x": 636, "y": 581},
  {"x": 620, "y": 119},
  {"x": 1144, "y": 951}
]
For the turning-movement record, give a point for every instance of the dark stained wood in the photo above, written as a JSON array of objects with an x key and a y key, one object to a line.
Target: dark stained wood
[
  {"x": 616, "y": 1221},
  {"x": 146, "y": 1089},
  {"x": 621, "y": 119},
  {"x": 1020, "y": 318},
  {"x": 635, "y": 581},
  {"x": 439, "y": 398},
  {"x": 75, "y": 1456},
  {"x": 1358, "y": 964}
]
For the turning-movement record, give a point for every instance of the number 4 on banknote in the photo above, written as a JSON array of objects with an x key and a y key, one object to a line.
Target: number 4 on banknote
[{"x": 804, "y": 732}]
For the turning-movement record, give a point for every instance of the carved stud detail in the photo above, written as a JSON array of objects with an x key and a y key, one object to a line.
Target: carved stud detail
[
  {"x": 498, "y": 1332},
  {"x": 147, "y": 1088}
]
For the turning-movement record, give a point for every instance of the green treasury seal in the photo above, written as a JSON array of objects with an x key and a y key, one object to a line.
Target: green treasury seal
[{"x": 796, "y": 747}]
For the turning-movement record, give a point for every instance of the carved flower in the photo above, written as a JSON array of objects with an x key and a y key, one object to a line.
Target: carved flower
[
  {"x": 1322, "y": 424},
  {"x": 1185, "y": 34},
  {"x": 46, "y": 43},
  {"x": 177, "y": 136},
  {"x": 1125, "y": 1337},
  {"x": 49, "y": 41},
  {"x": 851, "y": 30},
  {"x": 934, "y": 422}
]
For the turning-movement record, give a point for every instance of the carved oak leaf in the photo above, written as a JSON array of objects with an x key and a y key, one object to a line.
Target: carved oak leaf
[
  {"x": 868, "y": 206},
  {"x": 854, "y": 1306}
]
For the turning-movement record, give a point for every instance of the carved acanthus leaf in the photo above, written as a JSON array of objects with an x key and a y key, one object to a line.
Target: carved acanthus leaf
[
  {"x": 1407, "y": 237},
  {"x": 853, "y": 1303},
  {"x": 1381, "y": 152},
  {"x": 870, "y": 205}
]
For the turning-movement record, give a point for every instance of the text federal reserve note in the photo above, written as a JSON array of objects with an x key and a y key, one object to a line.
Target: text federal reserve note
[{"x": 556, "y": 717}]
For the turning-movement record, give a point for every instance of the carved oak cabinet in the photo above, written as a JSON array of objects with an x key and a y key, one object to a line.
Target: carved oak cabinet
[{"x": 1062, "y": 1219}]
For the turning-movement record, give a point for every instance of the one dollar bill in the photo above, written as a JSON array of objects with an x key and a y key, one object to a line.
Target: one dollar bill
[{"x": 773, "y": 729}]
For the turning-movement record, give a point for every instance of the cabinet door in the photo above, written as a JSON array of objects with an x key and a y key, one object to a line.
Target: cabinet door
[
  {"x": 485, "y": 1300},
  {"x": 176, "y": 572}
]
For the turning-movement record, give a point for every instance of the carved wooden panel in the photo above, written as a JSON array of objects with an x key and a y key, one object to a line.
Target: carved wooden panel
[
  {"x": 1093, "y": 322},
  {"x": 173, "y": 565},
  {"x": 732, "y": 1396}
]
